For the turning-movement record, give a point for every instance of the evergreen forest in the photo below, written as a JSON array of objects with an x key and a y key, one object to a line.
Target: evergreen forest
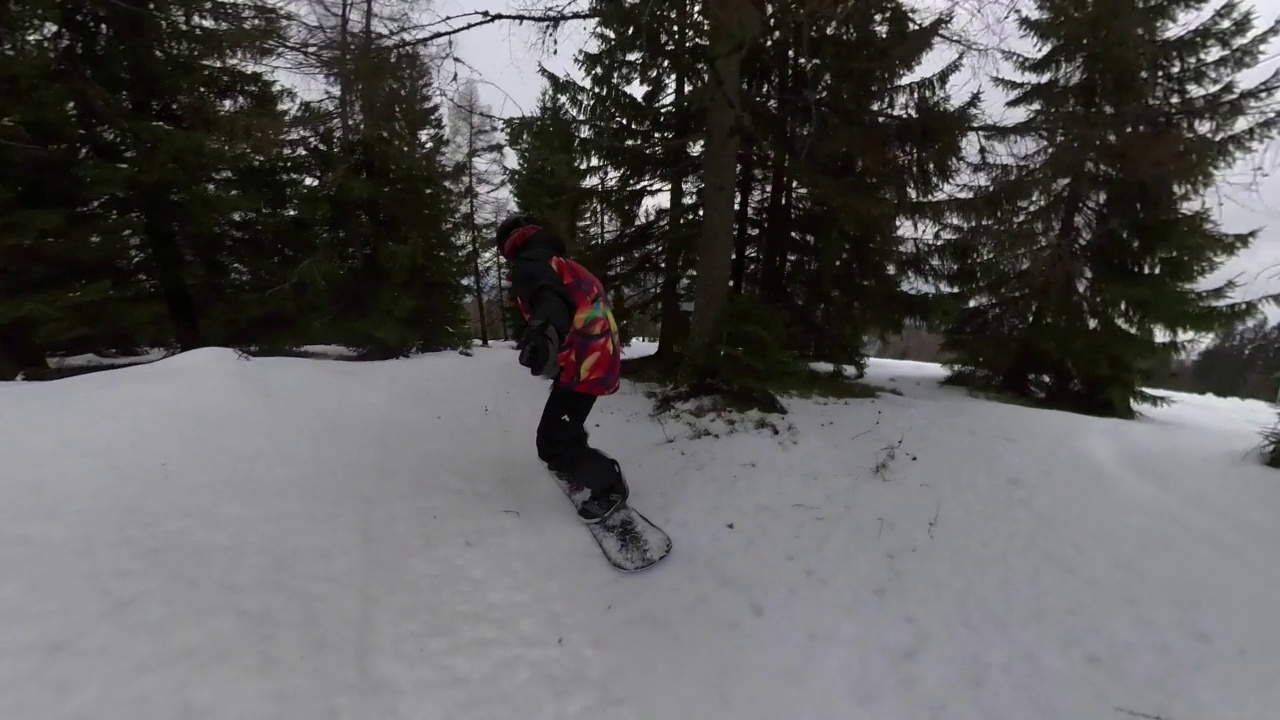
[{"x": 760, "y": 184}]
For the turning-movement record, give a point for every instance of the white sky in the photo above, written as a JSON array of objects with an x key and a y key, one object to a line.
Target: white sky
[{"x": 504, "y": 57}]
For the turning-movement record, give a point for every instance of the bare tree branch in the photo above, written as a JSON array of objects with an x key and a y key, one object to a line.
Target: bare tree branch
[{"x": 480, "y": 18}]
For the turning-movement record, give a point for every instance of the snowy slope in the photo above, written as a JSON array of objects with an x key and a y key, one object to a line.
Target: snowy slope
[{"x": 212, "y": 537}]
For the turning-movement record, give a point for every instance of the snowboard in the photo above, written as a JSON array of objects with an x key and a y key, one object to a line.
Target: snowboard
[{"x": 629, "y": 540}]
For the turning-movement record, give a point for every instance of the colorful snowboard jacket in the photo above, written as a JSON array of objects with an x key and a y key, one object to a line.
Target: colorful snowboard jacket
[{"x": 549, "y": 287}]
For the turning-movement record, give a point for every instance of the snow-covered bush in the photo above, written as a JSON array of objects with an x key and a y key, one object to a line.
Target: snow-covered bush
[{"x": 1271, "y": 444}]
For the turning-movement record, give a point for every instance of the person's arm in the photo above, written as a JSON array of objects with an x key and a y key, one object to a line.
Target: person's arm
[{"x": 542, "y": 291}]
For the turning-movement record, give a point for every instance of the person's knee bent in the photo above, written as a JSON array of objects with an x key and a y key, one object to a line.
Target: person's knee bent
[{"x": 600, "y": 464}]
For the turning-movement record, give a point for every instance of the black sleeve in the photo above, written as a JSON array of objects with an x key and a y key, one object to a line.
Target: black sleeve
[{"x": 543, "y": 294}]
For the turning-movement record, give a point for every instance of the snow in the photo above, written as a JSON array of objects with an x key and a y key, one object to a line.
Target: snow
[
  {"x": 89, "y": 360},
  {"x": 153, "y": 354},
  {"x": 209, "y": 536}
]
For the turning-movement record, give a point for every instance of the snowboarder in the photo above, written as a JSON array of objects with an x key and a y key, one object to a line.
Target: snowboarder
[{"x": 572, "y": 339}]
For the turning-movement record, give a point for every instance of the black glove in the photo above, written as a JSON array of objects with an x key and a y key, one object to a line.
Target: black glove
[{"x": 539, "y": 351}]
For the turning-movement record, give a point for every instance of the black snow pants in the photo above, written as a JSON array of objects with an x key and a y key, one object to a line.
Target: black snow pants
[{"x": 562, "y": 440}]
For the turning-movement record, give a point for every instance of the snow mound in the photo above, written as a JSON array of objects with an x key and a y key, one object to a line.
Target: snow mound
[
  {"x": 203, "y": 358},
  {"x": 74, "y": 361},
  {"x": 294, "y": 538}
]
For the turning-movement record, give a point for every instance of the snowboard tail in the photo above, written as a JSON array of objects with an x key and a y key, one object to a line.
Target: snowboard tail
[{"x": 629, "y": 541}]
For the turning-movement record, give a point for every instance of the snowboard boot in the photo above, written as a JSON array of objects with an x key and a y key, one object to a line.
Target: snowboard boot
[{"x": 604, "y": 501}]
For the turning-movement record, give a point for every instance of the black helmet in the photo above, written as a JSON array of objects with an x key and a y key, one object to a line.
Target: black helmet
[{"x": 508, "y": 226}]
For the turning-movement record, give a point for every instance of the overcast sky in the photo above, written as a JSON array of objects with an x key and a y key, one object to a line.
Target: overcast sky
[{"x": 505, "y": 57}]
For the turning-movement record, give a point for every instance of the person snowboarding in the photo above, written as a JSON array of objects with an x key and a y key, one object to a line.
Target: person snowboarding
[{"x": 572, "y": 339}]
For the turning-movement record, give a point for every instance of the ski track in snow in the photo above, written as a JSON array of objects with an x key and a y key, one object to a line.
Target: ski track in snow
[{"x": 213, "y": 537}]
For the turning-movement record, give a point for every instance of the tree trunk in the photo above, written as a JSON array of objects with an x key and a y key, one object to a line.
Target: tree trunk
[
  {"x": 168, "y": 264},
  {"x": 345, "y": 72},
  {"x": 475, "y": 259},
  {"x": 746, "y": 180},
  {"x": 671, "y": 332},
  {"x": 473, "y": 224},
  {"x": 731, "y": 25},
  {"x": 773, "y": 264},
  {"x": 502, "y": 303},
  {"x": 18, "y": 349},
  {"x": 776, "y": 240},
  {"x": 671, "y": 328},
  {"x": 746, "y": 186}
]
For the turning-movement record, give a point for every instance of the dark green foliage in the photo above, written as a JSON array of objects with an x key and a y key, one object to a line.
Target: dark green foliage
[
  {"x": 385, "y": 271},
  {"x": 162, "y": 102},
  {"x": 754, "y": 349},
  {"x": 386, "y": 274},
  {"x": 165, "y": 191},
  {"x": 754, "y": 369},
  {"x": 1243, "y": 361},
  {"x": 53, "y": 282},
  {"x": 850, "y": 170},
  {"x": 637, "y": 121},
  {"x": 844, "y": 143},
  {"x": 1084, "y": 257},
  {"x": 548, "y": 181},
  {"x": 123, "y": 117}
]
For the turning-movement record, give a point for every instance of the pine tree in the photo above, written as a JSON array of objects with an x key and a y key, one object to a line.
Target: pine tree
[
  {"x": 732, "y": 27},
  {"x": 641, "y": 125},
  {"x": 425, "y": 263},
  {"x": 1085, "y": 259},
  {"x": 477, "y": 158},
  {"x": 386, "y": 273},
  {"x": 265, "y": 237},
  {"x": 1241, "y": 361},
  {"x": 549, "y": 178},
  {"x": 848, "y": 173},
  {"x": 129, "y": 118},
  {"x": 53, "y": 278}
]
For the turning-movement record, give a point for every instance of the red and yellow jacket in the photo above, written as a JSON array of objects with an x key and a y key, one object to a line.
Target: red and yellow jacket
[{"x": 550, "y": 287}]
